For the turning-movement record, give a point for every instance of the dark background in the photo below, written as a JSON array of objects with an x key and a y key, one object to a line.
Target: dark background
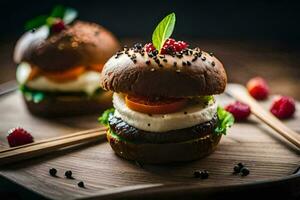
[
  {"x": 251, "y": 38},
  {"x": 269, "y": 20}
]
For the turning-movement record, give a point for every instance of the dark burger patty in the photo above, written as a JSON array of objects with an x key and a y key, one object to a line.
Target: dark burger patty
[{"x": 130, "y": 133}]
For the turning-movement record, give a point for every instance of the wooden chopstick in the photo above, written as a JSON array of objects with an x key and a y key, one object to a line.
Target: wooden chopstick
[
  {"x": 240, "y": 93},
  {"x": 50, "y": 145},
  {"x": 54, "y": 139}
]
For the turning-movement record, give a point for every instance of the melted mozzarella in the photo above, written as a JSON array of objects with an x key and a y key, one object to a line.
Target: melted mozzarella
[
  {"x": 195, "y": 114},
  {"x": 87, "y": 82}
]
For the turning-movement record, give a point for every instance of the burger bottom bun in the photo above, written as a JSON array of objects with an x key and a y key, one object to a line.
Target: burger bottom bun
[
  {"x": 151, "y": 153},
  {"x": 63, "y": 106}
]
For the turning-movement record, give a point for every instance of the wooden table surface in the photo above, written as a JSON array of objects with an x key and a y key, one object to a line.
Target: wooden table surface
[
  {"x": 267, "y": 155},
  {"x": 277, "y": 63}
]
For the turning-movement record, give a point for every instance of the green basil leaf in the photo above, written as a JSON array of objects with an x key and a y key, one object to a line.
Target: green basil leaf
[
  {"x": 163, "y": 31},
  {"x": 225, "y": 121},
  {"x": 36, "y": 22},
  {"x": 69, "y": 15},
  {"x": 105, "y": 115},
  {"x": 58, "y": 12}
]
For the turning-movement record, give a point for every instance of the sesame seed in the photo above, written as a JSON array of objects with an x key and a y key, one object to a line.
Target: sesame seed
[
  {"x": 183, "y": 63},
  {"x": 175, "y": 64},
  {"x": 152, "y": 70},
  {"x": 160, "y": 65},
  {"x": 194, "y": 59},
  {"x": 149, "y": 124},
  {"x": 203, "y": 58},
  {"x": 185, "y": 112},
  {"x": 188, "y": 63},
  {"x": 148, "y": 62},
  {"x": 178, "y": 70},
  {"x": 165, "y": 60},
  {"x": 213, "y": 63},
  {"x": 211, "y": 54}
]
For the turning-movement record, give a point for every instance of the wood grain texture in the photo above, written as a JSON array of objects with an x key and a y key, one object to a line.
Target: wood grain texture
[{"x": 267, "y": 155}]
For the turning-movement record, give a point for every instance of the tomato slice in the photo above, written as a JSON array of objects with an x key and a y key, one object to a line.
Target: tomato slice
[
  {"x": 65, "y": 75},
  {"x": 96, "y": 67},
  {"x": 161, "y": 106}
]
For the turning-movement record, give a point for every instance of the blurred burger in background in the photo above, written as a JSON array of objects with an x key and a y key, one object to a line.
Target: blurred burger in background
[{"x": 59, "y": 64}]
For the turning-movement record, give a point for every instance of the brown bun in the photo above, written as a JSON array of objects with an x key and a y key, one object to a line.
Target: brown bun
[
  {"x": 167, "y": 152},
  {"x": 80, "y": 44},
  {"x": 62, "y": 106},
  {"x": 191, "y": 73}
]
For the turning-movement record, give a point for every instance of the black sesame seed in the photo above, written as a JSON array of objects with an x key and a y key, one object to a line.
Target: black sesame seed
[
  {"x": 155, "y": 52},
  {"x": 68, "y": 174},
  {"x": 134, "y": 61},
  {"x": 175, "y": 64},
  {"x": 203, "y": 58},
  {"x": 211, "y": 54},
  {"x": 183, "y": 63},
  {"x": 138, "y": 46},
  {"x": 245, "y": 171},
  {"x": 52, "y": 171},
  {"x": 148, "y": 62},
  {"x": 149, "y": 124},
  {"x": 160, "y": 65},
  {"x": 81, "y": 184},
  {"x": 161, "y": 56},
  {"x": 194, "y": 59},
  {"x": 185, "y": 112},
  {"x": 213, "y": 63},
  {"x": 188, "y": 63},
  {"x": 33, "y": 30},
  {"x": 165, "y": 60}
]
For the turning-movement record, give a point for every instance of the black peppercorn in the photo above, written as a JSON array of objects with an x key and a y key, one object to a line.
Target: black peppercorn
[
  {"x": 236, "y": 169},
  {"x": 81, "y": 184},
  {"x": 52, "y": 171},
  {"x": 245, "y": 171},
  {"x": 204, "y": 174},
  {"x": 241, "y": 165},
  {"x": 197, "y": 174},
  {"x": 68, "y": 174}
]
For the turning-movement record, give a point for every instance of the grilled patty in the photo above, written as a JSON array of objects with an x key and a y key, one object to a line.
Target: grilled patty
[{"x": 130, "y": 133}]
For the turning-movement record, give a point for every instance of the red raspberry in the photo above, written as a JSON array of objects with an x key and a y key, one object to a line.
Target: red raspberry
[
  {"x": 239, "y": 110},
  {"x": 18, "y": 136},
  {"x": 58, "y": 26},
  {"x": 283, "y": 107},
  {"x": 258, "y": 88},
  {"x": 149, "y": 47},
  {"x": 180, "y": 45}
]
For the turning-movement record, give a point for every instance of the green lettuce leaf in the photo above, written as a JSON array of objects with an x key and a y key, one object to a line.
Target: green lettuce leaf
[
  {"x": 103, "y": 119},
  {"x": 226, "y": 120}
]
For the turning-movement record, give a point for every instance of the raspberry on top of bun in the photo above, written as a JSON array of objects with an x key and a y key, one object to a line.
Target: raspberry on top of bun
[
  {"x": 60, "y": 59},
  {"x": 164, "y": 110}
]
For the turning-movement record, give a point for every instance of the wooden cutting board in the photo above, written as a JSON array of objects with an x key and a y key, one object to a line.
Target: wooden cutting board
[{"x": 268, "y": 156}]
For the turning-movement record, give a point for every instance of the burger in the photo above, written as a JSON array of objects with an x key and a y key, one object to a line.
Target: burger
[
  {"x": 163, "y": 104},
  {"x": 59, "y": 64}
]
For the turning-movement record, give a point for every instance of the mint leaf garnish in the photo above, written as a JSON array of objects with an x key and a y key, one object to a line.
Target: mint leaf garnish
[
  {"x": 163, "y": 31},
  {"x": 59, "y": 12},
  {"x": 226, "y": 120}
]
